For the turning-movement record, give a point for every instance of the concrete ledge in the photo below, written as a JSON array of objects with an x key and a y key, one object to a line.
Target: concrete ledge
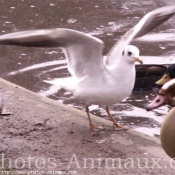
[
  {"x": 79, "y": 112},
  {"x": 42, "y": 128}
]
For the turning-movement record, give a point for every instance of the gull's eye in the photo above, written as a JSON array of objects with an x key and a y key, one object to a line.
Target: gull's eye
[
  {"x": 123, "y": 53},
  {"x": 129, "y": 53}
]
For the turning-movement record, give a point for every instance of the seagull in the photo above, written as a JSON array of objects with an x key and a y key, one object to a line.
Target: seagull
[
  {"x": 3, "y": 110},
  {"x": 1, "y": 104},
  {"x": 93, "y": 79}
]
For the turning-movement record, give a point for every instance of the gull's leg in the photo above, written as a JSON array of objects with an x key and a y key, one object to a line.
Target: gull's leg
[
  {"x": 116, "y": 125},
  {"x": 93, "y": 127}
]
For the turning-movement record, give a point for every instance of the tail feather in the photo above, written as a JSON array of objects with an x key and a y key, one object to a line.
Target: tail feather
[
  {"x": 66, "y": 83},
  {"x": 53, "y": 82},
  {"x": 52, "y": 90}
]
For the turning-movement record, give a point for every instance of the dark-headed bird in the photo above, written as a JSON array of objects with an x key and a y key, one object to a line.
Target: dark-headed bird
[{"x": 94, "y": 80}]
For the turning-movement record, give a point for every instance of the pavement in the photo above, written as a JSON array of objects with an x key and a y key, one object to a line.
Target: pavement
[{"x": 42, "y": 136}]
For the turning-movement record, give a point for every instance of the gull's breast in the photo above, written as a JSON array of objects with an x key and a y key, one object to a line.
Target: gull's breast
[{"x": 106, "y": 93}]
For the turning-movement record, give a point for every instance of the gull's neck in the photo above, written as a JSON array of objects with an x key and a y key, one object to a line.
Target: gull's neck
[
  {"x": 124, "y": 71},
  {"x": 121, "y": 65}
]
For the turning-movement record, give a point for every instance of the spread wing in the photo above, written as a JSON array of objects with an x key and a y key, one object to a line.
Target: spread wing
[
  {"x": 150, "y": 21},
  {"x": 83, "y": 52}
]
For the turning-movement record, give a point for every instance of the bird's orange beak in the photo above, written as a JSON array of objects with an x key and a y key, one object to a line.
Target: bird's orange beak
[{"x": 139, "y": 60}]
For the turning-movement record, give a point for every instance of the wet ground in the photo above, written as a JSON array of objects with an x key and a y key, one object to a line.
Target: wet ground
[
  {"x": 44, "y": 135},
  {"x": 105, "y": 19}
]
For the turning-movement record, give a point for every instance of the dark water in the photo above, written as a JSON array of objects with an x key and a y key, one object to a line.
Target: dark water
[{"x": 105, "y": 19}]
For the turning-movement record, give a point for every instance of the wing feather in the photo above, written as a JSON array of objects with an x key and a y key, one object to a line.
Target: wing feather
[
  {"x": 83, "y": 52},
  {"x": 150, "y": 21}
]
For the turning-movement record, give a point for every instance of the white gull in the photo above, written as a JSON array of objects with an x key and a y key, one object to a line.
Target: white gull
[{"x": 94, "y": 80}]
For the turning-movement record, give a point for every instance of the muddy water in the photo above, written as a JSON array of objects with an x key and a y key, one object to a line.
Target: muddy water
[{"x": 105, "y": 19}]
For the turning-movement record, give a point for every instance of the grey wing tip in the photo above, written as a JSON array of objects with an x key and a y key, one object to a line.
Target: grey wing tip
[
  {"x": 32, "y": 38},
  {"x": 167, "y": 9}
]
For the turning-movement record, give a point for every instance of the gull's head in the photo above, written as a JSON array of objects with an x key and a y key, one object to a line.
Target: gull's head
[{"x": 131, "y": 54}]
